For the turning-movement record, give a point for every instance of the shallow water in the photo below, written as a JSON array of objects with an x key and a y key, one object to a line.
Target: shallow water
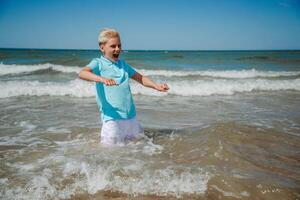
[
  {"x": 228, "y": 129},
  {"x": 48, "y": 154}
]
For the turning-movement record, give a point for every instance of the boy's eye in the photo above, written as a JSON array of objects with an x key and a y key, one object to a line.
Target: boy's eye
[{"x": 114, "y": 46}]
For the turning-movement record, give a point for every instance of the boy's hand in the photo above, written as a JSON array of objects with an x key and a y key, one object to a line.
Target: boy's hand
[
  {"x": 108, "y": 82},
  {"x": 162, "y": 87}
]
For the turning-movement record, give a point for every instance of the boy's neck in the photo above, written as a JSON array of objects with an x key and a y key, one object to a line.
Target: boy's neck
[{"x": 110, "y": 59}]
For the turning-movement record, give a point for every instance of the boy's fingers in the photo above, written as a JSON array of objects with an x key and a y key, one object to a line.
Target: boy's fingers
[
  {"x": 165, "y": 87},
  {"x": 110, "y": 82},
  {"x": 113, "y": 82}
]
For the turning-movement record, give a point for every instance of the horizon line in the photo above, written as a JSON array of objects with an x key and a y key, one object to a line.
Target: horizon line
[{"x": 72, "y": 49}]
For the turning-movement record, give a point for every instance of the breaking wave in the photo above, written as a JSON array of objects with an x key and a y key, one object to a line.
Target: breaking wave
[
  {"x": 79, "y": 88},
  {"x": 235, "y": 74}
]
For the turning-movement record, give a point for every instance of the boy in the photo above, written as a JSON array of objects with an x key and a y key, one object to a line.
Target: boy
[{"x": 113, "y": 94}]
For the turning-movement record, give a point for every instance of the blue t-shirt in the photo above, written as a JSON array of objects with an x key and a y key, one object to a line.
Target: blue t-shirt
[{"x": 115, "y": 102}]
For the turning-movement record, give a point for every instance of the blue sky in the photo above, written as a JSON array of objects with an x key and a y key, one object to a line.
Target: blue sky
[{"x": 149, "y": 25}]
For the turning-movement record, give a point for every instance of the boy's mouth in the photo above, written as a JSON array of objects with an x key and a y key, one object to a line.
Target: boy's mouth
[{"x": 116, "y": 55}]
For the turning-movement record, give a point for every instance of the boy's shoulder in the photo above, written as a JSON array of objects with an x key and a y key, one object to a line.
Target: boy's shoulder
[{"x": 96, "y": 59}]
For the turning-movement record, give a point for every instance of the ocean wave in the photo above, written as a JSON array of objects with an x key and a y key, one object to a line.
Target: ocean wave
[
  {"x": 19, "y": 69},
  {"x": 76, "y": 88},
  {"x": 79, "y": 88},
  {"x": 233, "y": 74}
]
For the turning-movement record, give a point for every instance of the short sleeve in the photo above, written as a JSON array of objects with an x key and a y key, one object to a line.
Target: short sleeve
[
  {"x": 129, "y": 70},
  {"x": 94, "y": 65}
]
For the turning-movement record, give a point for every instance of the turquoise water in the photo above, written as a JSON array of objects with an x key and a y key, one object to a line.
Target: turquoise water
[{"x": 173, "y": 60}]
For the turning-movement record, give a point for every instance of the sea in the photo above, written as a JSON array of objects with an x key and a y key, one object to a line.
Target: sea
[{"x": 228, "y": 128}]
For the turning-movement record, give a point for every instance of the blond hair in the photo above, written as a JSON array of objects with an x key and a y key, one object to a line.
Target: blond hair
[{"x": 106, "y": 34}]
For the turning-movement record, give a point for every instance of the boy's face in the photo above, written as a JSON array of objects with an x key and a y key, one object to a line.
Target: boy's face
[{"x": 112, "y": 48}]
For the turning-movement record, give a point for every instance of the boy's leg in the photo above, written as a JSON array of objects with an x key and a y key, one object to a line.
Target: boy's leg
[
  {"x": 110, "y": 132},
  {"x": 133, "y": 128}
]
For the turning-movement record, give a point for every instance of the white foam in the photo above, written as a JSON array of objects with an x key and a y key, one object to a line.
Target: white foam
[
  {"x": 96, "y": 179},
  {"x": 3, "y": 181},
  {"x": 39, "y": 187},
  {"x": 79, "y": 88},
  {"x": 236, "y": 74},
  {"x": 220, "y": 87},
  {"x": 225, "y": 193},
  {"x": 164, "y": 182},
  {"x": 150, "y": 148},
  {"x": 24, "y": 167},
  {"x": 76, "y": 88},
  {"x": 58, "y": 130},
  {"x": 70, "y": 142},
  {"x": 251, "y": 73},
  {"x": 17, "y": 69},
  {"x": 23, "y": 140},
  {"x": 28, "y": 127},
  {"x": 160, "y": 182},
  {"x": 133, "y": 177}
]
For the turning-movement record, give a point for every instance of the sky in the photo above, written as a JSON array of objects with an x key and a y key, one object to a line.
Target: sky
[{"x": 152, "y": 25}]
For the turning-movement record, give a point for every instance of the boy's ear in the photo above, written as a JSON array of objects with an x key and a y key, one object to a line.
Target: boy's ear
[{"x": 101, "y": 47}]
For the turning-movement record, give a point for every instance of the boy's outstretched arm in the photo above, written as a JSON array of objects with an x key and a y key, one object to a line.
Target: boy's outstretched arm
[
  {"x": 87, "y": 74},
  {"x": 145, "y": 81}
]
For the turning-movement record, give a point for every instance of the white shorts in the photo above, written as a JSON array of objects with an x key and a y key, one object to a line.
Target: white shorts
[{"x": 118, "y": 131}]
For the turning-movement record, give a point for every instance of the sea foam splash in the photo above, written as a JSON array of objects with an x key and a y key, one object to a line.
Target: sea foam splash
[
  {"x": 92, "y": 179},
  {"x": 79, "y": 88}
]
